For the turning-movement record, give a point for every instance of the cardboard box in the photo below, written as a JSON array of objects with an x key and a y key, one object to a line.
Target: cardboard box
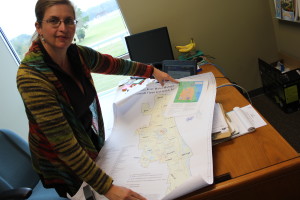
[{"x": 282, "y": 83}]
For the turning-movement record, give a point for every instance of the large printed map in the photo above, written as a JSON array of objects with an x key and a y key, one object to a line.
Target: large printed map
[
  {"x": 157, "y": 155},
  {"x": 161, "y": 142}
]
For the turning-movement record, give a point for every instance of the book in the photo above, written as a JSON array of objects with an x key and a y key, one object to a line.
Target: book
[
  {"x": 277, "y": 4},
  {"x": 245, "y": 119},
  {"x": 288, "y": 10},
  {"x": 297, "y": 12}
]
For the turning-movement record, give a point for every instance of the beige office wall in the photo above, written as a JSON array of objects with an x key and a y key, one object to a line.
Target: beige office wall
[
  {"x": 287, "y": 35},
  {"x": 235, "y": 32}
]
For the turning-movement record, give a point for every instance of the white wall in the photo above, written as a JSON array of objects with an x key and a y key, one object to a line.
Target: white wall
[{"x": 12, "y": 111}]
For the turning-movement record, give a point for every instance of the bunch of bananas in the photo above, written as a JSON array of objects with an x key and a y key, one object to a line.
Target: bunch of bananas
[{"x": 187, "y": 48}]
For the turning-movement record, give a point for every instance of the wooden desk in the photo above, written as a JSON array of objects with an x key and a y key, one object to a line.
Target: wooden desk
[{"x": 262, "y": 165}]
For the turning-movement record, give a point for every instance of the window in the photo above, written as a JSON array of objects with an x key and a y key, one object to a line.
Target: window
[{"x": 101, "y": 27}]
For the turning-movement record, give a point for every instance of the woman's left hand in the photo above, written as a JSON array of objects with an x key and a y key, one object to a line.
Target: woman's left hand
[{"x": 161, "y": 77}]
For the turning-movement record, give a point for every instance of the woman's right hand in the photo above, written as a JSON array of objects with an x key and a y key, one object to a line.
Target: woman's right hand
[{"x": 121, "y": 193}]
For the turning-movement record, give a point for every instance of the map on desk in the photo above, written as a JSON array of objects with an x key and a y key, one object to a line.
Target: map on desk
[{"x": 157, "y": 155}]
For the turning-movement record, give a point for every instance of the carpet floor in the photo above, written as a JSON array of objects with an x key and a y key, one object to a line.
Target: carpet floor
[{"x": 287, "y": 124}]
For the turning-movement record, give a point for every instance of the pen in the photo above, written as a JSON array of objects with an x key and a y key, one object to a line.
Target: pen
[{"x": 136, "y": 77}]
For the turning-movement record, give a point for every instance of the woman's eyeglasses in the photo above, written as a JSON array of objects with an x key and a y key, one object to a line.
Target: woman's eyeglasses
[{"x": 55, "y": 22}]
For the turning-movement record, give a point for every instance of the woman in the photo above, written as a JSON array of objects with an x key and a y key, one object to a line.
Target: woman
[{"x": 66, "y": 127}]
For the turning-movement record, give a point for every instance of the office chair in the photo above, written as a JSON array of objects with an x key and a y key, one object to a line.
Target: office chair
[{"x": 18, "y": 180}]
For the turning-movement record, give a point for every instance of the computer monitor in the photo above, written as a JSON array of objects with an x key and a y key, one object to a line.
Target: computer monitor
[{"x": 151, "y": 47}]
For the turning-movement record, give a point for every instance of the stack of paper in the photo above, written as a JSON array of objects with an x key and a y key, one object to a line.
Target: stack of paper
[
  {"x": 235, "y": 123},
  {"x": 222, "y": 129}
]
